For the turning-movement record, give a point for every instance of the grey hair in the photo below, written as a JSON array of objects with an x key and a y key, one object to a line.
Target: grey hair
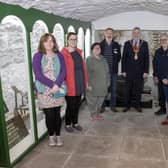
[{"x": 164, "y": 34}]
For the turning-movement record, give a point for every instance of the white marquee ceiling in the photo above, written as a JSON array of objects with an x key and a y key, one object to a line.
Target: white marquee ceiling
[{"x": 89, "y": 10}]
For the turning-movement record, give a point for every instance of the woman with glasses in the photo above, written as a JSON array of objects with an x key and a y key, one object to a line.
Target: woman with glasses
[{"x": 76, "y": 81}]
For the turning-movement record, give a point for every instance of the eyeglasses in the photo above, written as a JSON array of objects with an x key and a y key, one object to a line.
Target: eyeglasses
[
  {"x": 97, "y": 48},
  {"x": 73, "y": 39},
  {"x": 163, "y": 39}
]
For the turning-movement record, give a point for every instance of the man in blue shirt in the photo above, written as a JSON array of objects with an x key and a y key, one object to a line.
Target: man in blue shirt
[{"x": 111, "y": 52}]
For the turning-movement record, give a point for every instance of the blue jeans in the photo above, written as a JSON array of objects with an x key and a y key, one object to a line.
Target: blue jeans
[
  {"x": 165, "y": 88},
  {"x": 112, "y": 90}
]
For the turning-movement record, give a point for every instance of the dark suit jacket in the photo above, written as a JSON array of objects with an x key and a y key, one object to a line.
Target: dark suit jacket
[
  {"x": 160, "y": 63},
  {"x": 135, "y": 68},
  {"x": 116, "y": 53}
]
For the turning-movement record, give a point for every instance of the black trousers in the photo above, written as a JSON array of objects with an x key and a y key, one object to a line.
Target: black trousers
[
  {"x": 133, "y": 86},
  {"x": 53, "y": 120},
  {"x": 72, "y": 110},
  {"x": 162, "y": 98}
]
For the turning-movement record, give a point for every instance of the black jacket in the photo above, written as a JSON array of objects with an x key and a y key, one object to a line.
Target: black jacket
[
  {"x": 160, "y": 64},
  {"x": 116, "y": 53},
  {"x": 135, "y": 68}
]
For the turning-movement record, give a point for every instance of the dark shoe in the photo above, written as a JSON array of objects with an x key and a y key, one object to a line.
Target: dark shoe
[
  {"x": 77, "y": 127},
  {"x": 102, "y": 110},
  {"x": 68, "y": 128},
  {"x": 160, "y": 112},
  {"x": 138, "y": 109},
  {"x": 126, "y": 109},
  {"x": 113, "y": 109},
  {"x": 165, "y": 122}
]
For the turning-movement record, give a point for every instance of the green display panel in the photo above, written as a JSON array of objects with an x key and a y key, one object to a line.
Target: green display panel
[
  {"x": 22, "y": 123},
  {"x": 16, "y": 90},
  {"x": 4, "y": 148}
]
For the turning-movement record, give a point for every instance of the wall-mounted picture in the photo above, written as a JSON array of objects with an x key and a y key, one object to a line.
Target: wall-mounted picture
[{"x": 151, "y": 36}]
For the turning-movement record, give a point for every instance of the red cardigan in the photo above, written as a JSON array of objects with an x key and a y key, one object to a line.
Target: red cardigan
[{"x": 70, "y": 75}]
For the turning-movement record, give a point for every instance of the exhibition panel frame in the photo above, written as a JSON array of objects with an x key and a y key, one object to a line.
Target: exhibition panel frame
[{"x": 22, "y": 122}]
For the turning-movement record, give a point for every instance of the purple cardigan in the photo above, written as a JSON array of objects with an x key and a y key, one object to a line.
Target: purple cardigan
[{"x": 39, "y": 74}]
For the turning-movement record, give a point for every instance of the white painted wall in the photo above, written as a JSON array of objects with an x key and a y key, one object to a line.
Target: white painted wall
[{"x": 126, "y": 21}]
